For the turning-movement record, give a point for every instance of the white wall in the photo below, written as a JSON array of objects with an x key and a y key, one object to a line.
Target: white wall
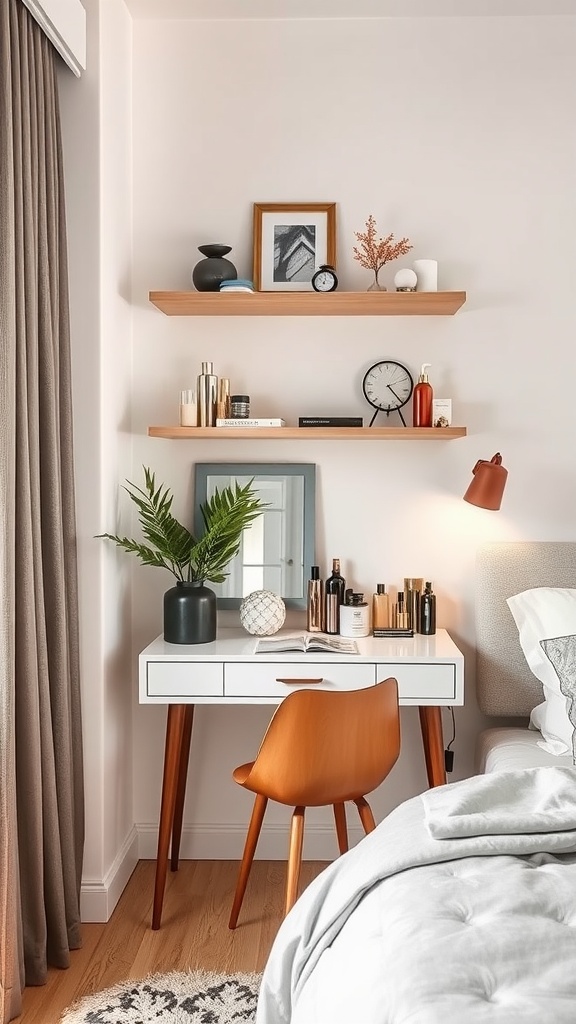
[
  {"x": 453, "y": 131},
  {"x": 96, "y": 117}
]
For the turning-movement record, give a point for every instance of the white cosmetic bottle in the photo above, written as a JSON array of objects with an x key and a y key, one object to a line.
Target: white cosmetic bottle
[{"x": 354, "y": 616}]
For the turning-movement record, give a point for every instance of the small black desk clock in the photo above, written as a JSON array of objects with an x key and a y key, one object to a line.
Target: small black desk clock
[
  {"x": 387, "y": 387},
  {"x": 324, "y": 279}
]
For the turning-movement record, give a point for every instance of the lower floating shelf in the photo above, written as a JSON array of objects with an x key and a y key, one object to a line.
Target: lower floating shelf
[{"x": 311, "y": 433}]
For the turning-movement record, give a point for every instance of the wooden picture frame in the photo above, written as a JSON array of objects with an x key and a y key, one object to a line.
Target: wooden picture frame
[{"x": 291, "y": 240}]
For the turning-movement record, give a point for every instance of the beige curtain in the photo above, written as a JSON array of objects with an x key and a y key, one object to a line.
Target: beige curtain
[{"x": 41, "y": 784}]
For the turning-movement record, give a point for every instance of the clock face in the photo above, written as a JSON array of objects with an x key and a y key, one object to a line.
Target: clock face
[
  {"x": 325, "y": 280},
  {"x": 387, "y": 385}
]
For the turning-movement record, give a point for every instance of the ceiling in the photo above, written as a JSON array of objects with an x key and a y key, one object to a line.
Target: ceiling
[{"x": 330, "y": 9}]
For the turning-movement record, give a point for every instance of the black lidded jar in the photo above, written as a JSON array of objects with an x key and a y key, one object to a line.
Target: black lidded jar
[{"x": 239, "y": 407}]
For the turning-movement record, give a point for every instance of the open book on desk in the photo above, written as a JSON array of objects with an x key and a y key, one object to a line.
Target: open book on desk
[{"x": 304, "y": 642}]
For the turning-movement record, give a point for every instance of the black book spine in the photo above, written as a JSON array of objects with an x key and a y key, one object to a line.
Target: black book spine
[{"x": 330, "y": 421}]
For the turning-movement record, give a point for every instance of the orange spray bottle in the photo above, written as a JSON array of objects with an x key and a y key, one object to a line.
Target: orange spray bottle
[{"x": 422, "y": 400}]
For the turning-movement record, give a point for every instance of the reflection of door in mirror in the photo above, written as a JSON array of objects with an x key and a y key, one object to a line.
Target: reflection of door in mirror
[{"x": 276, "y": 549}]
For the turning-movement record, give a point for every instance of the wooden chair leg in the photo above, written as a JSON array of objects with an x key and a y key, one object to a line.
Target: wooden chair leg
[
  {"x": 366, "y": 816},
  {"x": 341, "y": 829},
  {"x": 181, "y": 787},
  {"x": 248, "y": 856},
  {"x": 294, "y": 857}
]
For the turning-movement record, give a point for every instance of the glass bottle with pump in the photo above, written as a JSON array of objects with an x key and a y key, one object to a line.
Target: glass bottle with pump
[
  {"x": 334, "y": 597},
  {"x": 422, "y": 400},
  {"x": 380, "y": 608},
  {"x": 428, "y": 611},
  {"x": 315, "y": 602}
]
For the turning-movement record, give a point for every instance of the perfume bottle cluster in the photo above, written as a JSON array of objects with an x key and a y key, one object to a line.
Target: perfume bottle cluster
[
  {"x": 211, "y": 401},
  {"x": 413, "y": 611},
  {"x": 333, "y": 608}
]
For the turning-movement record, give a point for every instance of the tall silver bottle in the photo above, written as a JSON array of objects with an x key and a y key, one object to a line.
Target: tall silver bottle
[
  {"x": 315, "y": 602},
  {"x": 206, "y": 396}
]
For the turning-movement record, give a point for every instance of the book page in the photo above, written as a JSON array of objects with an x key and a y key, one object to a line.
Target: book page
[
  {"x": 306, "y": 642},
  {"x": 276, "y": 644}
]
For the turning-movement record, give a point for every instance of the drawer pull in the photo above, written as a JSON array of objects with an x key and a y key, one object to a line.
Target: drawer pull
[{"x": 292, "y": 681}]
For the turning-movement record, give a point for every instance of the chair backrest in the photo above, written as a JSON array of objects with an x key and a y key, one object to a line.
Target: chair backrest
[{"x": 325, "y": 747}]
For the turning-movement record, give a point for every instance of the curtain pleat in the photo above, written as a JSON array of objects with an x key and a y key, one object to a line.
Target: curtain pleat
[{"x": 42, "y": 774}]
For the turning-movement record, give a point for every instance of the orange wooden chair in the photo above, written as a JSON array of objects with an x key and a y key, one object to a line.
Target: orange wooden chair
[{"x": 321, "y": 747}]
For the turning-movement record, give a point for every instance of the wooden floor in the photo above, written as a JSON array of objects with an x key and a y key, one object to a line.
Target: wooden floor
[{"x": 194, "y": 933}]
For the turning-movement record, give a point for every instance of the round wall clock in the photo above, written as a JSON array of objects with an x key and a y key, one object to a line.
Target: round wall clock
[{"x": 387, "y": 387}]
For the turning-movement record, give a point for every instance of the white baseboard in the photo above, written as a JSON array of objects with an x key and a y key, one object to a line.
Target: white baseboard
[
  {"x": 98, "y": 897},
  {"x": 226, "y": 842}
]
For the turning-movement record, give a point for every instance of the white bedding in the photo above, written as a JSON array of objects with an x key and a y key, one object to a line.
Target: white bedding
[
  {"x": 508, "y": 748},
  {"x": 411, "y": 929}
]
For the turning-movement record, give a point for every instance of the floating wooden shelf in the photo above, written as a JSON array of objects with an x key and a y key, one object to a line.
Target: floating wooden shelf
[
  {"x": 308, "y": 303},
  {"x": 311, "y": 433}
]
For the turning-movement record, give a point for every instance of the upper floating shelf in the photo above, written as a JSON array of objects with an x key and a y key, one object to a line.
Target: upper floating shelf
[
  {"x": 308, "y": 303},
  {"x": 311, "y": 433}
]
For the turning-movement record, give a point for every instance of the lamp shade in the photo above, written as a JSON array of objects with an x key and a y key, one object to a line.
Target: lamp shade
[{"x": 488, "y": 483}]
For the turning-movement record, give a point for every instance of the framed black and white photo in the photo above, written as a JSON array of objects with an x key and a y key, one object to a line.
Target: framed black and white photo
[{"x": 291, "y": 240}]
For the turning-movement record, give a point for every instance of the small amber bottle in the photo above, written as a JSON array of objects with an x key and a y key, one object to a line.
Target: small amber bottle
[
  {"x": 401, "y": 613},
  {"x": 380, "y": 608}
]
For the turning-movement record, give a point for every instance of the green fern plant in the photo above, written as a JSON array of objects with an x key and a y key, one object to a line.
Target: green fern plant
[{"x": 171, "y": 546}]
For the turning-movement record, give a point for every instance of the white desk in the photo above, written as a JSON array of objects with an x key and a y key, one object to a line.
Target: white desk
[{"x": 429, "y": 670}]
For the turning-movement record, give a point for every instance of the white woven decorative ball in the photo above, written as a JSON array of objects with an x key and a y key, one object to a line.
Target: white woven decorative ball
[{"x": 262, "y": 613}]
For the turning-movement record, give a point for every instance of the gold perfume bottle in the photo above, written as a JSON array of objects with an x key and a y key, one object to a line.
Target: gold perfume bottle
[
  {"x": 412, "y": 590},
  {"x": 380, "y": 608},
  {"x": 223, "y": 400}
]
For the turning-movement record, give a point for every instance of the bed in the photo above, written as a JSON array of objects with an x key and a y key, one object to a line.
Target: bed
[{"x": 461, "y": 905}]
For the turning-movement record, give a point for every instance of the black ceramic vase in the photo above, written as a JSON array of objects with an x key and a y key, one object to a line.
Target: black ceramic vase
[
  {"x": 208, "y": 273},
  {"x": 189, "y": 614}
]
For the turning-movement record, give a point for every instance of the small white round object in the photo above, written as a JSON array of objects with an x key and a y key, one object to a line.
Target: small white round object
[
  {"x": 405, "y": 280},
  {"x": 262, "y": 613}
]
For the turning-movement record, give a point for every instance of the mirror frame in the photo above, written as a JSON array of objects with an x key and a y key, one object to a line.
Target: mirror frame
[{"x": 307, "y": 470}]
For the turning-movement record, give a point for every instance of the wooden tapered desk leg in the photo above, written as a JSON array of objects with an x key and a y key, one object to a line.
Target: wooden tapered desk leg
[
  {"x": 181, "y": 787},
  {"x": 433, "y": 743},
  {"x": 172, "y": 758}
]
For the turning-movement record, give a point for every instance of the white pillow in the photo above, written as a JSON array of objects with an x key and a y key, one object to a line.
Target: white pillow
[{"x": 544, "y": 613}]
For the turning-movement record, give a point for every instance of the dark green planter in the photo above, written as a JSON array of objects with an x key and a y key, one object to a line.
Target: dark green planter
[{"x": 189, "y": 614}]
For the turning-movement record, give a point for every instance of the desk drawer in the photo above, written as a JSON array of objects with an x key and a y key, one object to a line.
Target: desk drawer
[
  {"x": 421, "y": 682},
  {"x": 176, "y": 679},
  {"x": 261, "y": 680}
]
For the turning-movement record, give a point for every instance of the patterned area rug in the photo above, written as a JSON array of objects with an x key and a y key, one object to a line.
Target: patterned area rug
[{"x": 197, "y": 997}]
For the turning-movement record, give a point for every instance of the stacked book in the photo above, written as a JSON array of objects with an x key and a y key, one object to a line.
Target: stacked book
[
  {"x": 269, "y": 421},
  {"x": 238, "y": 284}
]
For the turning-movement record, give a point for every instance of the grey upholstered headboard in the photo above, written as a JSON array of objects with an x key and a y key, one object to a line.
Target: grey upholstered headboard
[{"x": 505, "y": 684}]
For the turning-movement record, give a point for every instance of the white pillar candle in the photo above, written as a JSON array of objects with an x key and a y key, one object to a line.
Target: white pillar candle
[
  {"x": 188, "y": 411},
  {"x": 427, "y": 274}
]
